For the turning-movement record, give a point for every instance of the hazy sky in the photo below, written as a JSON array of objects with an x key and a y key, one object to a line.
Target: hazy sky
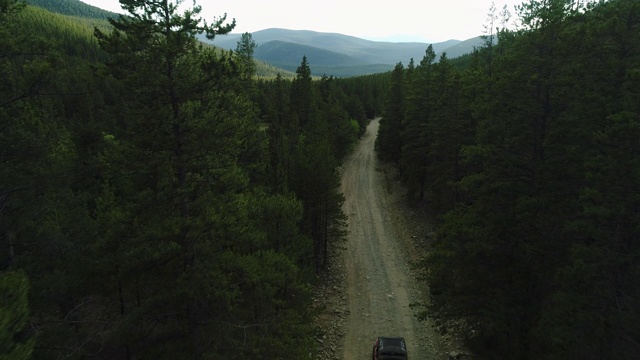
[{"x": 410, "y": 20}]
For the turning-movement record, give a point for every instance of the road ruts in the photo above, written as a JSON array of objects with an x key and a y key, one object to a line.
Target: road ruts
[{"x": 379, "y": 285}]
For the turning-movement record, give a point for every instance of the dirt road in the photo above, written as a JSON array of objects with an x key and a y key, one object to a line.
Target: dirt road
[{"x": 379, "y": 284}]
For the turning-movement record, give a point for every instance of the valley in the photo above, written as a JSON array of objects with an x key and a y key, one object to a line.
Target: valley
[{"x": 337, "y": 54}]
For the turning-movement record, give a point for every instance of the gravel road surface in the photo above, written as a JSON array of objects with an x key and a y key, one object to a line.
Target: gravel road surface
[{"x": 379, "y": 282}]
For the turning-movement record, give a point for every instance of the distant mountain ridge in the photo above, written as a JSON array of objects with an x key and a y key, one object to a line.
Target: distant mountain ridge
[
  {"x": 281, "y": 51},
  {"x": 327, "y": 53},
  {"x": 87, "y": 17},
  {"x": 285, "y": 48}
]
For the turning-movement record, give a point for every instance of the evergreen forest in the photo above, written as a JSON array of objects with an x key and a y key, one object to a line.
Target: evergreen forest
[
  {"x": 527, "y": 158},
  {"x": 158, "y": 199},
  {"x": 161, "y": 198}
]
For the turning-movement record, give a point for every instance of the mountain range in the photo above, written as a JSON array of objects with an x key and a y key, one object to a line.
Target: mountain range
[
  {"x": 327, "y": 53},
  {"x": 338, "y": 54}
]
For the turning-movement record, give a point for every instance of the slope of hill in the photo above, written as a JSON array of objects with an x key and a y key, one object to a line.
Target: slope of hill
[
  {"x": 73, "y": 35},
  {"x": 388, "y": 52},
  {"x": 463, "y": 47},
  {"x": 71, "y": 23},
  {"x": 327, "y": 53},
  {"x": 73, "y": 8},
  {"x": 277, "y": 51}
]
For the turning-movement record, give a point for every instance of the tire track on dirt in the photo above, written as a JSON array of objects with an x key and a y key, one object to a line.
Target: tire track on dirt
[{"x": 379, "y": 284}]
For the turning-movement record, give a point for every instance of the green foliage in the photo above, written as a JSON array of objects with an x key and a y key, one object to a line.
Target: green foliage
[
  {"x": 415, "y": 136},
  {"x": 244, "y": 52},
  {"x": 270, "y": 72},
  {"x": 388, "y": 143},
  {"x": 313, "y": 173},
  {"x": 370, "y": 91},
  {"x": 73, "y": 8},
  {"x": 526, "y": 157},
  {"x": 354, "y": 129},
  {"x": 189, "y": 154},
  {"x": 333, "y": 102},
  {"x": 14, "y": 316},
  {"x": 73, "y": 36},
  {"x": 137, "y": 193},
  {"x": 310, "y": 131}
]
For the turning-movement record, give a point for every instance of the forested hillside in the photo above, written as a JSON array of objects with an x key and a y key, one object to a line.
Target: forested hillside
[
  {"x": 338, "y": 54},
  {"x": 528, "y": 159},
  {"x": 157, "y": 200},
  {"x": 73, "y": 8}
]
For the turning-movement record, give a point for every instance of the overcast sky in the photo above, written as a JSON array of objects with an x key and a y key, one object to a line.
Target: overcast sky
[{"x": 410, "y": 20}]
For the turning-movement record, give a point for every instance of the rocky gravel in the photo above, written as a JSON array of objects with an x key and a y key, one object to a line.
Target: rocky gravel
[{"x": 330, "y": 297}]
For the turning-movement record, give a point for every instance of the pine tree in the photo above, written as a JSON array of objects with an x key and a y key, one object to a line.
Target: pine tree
[
  {"x": 14, "y": 312},
  {"x": 315, "y": 180},
  {"x": 179, "y": 179},
  {"x": 302, "y": 98},
  {"x": 244, "y": 51},
  {"x": 416, "y": 137},
  {"x": 37, "y": 203},
  {"x": 449, "y": 129},
  {"x": 283, "y": 136},
  {"x": 344, "y": 130},
  {"x": 596, "y": 281},
  {"x": 389, "y": 143},
  {"x": 515, "y": 258}
]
